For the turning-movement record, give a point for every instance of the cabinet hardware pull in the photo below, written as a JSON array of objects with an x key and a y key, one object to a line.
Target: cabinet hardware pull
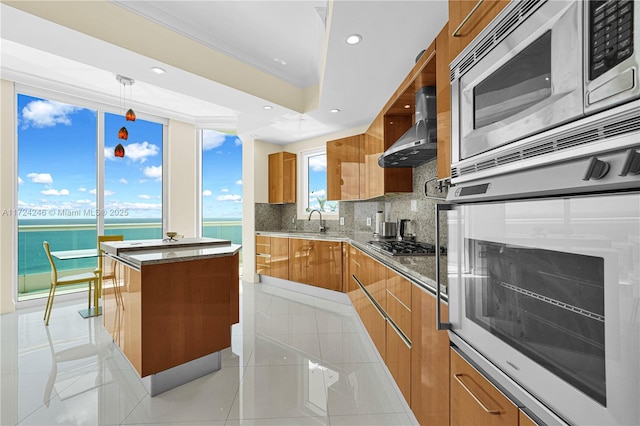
[
  {"x": 466, "y": 18},
  {"x": 480, "y": 403}
]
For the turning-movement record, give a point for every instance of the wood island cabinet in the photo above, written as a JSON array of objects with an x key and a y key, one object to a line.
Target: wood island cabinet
[
  {"x": 478, "y": 20},
  {"x": 282, "y": 178},
  {"x": 317, "y": 263},
  {"x": 345, "y": 168},
  {"x": 474, "y": 400}
]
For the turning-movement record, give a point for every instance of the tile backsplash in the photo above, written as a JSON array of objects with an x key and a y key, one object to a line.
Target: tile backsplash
[{"x": 417, "y": 206}]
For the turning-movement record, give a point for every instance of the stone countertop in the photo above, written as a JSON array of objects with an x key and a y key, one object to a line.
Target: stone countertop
[
  {"x": 421, "y": 270},
  {"x": 138, "y": 253},
  {"x": 118, "y": 247}
]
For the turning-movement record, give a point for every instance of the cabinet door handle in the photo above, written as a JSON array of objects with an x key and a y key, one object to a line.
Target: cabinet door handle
[
  {"x": 466, "y": 18},
  {"x": 458, "y": 377}
]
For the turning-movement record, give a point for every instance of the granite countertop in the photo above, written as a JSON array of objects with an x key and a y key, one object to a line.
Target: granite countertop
[
  {"x": 421, "y": 270},
  {"x": 138, "y": 253}
]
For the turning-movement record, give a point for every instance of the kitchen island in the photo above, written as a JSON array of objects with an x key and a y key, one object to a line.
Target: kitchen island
[{"x": 171, "y": 307}]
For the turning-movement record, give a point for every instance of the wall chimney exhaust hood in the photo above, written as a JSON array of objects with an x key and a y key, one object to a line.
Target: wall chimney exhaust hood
[{"x": 418, "y": 145}]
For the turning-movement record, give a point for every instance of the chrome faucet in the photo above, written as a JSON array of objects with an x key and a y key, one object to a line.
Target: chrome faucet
[{"x": 321, "y": 228}]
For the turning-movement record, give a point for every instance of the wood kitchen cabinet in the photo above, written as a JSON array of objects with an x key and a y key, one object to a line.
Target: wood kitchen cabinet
[
  {"x": 525, "y": 420},
  {"x": 398, "y": 360},
  {"x": 398, "y": 304},
  {"x": 282, "y": 178},
  {"x": 474, "y": 400},
  {"x": 345, "y": 167},
  {"x": 372, "y": 318},
  {"x": 429, "y": 361},
  {"x": 443, "y": 104},
  {"x": 315, "y": 262},
  {"x": 272, "y": 256},
  {"x": 461, "y": 34}
]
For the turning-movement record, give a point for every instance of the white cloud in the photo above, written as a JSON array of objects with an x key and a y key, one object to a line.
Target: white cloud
[
  {"x": 238, "y": 141},
  {"x": 154, "y": 172},
  {"x": 123, "y": 181},
  {"x": 206, "y": 193},
  {"x": 239, "y": 182},
  {"x": 229, "y": 197},
  {"x": 318, "y": 193},
  {"x": 47, "y": 113},
  {"x": 224, "y": 190},
  {"x": 40, "y": 178},
  {"x": 84, "y": 190},
  {"x": 106, "y": 192},
  {"x": 144, "y": 196},
  {"x": 55, "y": 192},
  {"x": 318, "y": 163},
  {"x": 135, "y": 206},
  {"x": 20, "y": 181},
  {"x": 136, "y": 152},
  {"x": 211, "y": 140},
  {"x": 86, "y": 201}
]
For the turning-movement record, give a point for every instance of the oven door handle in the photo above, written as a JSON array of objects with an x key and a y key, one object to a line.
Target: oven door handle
[{"x": 439, "y": 324}]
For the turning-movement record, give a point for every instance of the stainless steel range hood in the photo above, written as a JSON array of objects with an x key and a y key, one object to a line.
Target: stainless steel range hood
[{"x": 418, "y": 145}]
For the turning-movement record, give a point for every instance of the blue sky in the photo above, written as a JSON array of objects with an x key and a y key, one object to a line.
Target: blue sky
[{"x": 57, "y": 166}]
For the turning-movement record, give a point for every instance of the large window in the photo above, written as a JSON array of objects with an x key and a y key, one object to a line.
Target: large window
[
  {"x": 221, "y": 186},
  {"x": 61, "y": 198},
  {"x": 314, "y": 183}
]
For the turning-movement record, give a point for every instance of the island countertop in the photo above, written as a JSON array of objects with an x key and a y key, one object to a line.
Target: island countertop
[{"x": 138, "y": 253}]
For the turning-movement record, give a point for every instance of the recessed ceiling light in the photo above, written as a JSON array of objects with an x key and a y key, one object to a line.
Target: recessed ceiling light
[
  {"x": 407, "y": 106},
  {"x": 335, "y": 110},
  {"x": 158, "y": 70},
  {"x": 353, "y": 39},
  {"x": 280, "y": 61},
  {"x": 267, "y": 107}
]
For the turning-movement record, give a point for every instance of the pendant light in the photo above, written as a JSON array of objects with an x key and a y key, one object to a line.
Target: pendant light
[{"x": 123, "y": 133}]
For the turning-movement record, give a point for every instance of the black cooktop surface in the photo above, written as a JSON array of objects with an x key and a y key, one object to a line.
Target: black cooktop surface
[{"x": 404, "y": 248}]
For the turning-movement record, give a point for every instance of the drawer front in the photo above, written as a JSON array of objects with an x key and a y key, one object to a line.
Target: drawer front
[
  {"x": 263, "y": 244},
  {"x": 399, "y": 314},
  {"x": 400, "y": 287},
  {"x": 262, "y": 265}
]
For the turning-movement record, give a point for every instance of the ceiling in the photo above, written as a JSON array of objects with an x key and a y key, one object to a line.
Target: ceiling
[{"x": 225, "y": 60}]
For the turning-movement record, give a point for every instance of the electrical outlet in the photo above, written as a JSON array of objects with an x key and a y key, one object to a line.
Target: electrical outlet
[
  {"x": 414, "y": 205},
  {"x": 342, "y": 221},
  {"x": 368, "y": 221}
]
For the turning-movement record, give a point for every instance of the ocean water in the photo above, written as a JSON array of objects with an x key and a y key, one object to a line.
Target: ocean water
[{"x": 75, "y": 234}]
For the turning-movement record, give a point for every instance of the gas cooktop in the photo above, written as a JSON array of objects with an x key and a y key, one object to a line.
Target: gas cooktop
[{"x": 403, "y": 248}]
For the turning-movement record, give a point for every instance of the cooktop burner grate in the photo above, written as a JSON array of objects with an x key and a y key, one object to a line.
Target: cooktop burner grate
[{"x": 404, "y": 248}]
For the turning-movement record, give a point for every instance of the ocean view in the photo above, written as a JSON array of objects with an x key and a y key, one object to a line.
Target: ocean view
[{"x": 75, "y": 234}]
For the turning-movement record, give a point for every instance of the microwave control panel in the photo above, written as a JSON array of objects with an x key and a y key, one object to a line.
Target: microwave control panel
[{"x": 611, "y": 35}]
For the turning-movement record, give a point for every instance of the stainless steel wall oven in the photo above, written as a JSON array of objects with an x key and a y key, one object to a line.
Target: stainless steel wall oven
[{"x": 543, "y": 223}]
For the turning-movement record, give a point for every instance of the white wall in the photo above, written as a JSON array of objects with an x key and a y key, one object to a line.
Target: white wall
[
  {"x": 182, "y": 179},
  {"x": 8, "y": 175}
]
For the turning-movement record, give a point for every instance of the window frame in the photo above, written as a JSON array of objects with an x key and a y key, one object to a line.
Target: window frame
[{"x": 303, "y": 191}]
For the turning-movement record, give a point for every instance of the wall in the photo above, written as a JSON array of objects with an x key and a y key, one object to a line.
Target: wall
[{"x": 182, "y": 179}]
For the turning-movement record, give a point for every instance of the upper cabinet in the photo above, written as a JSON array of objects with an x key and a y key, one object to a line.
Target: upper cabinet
[
  {"x": 443, "y": 103},
  {"x": 345, "y": 168},
  {"x": 467, "y": 19},
  {"x": 282, "y": 178}
]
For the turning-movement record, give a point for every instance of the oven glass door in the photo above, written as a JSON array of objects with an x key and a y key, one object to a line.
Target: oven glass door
[
  {"x": 549, "y": 291},
  {"x": 529, "y": 82}
]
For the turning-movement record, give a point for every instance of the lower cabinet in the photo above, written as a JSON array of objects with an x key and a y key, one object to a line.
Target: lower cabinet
[
  {"x": 398, "y": 360},
  {"x": 315, "y": 262},
  {"x": 474, "y": 400},
  {"x": 429, "y": 361},
  {"x": 272, "y": 256},
  {"x": 372, "y": 318}
]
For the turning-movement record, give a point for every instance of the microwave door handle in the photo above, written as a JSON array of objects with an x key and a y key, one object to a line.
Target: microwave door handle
[
  {"x": 466, "y": 18},
  {"x": 440, "y": 208}
]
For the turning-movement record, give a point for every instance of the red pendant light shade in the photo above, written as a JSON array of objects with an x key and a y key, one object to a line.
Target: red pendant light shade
[
  {"x": 123, "y": 133},
  {"x": 131, "y": 116},
  {"x": 119, "y": 151}
]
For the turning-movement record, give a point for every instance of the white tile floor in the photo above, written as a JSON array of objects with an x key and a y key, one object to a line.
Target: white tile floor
[{"x": 295, "y": 360}]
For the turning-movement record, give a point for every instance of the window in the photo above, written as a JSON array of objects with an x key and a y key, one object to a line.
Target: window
[
  {"x": 314, "y": 183},
  {"x": 65, "y": 198},
  {"x": 221, "y": 186}
]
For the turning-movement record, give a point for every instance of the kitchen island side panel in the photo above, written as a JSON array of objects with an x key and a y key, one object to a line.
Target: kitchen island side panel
[{"x": 187, "y": 310}]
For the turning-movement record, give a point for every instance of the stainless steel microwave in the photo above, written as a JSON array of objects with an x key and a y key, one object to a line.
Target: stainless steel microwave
[{"x": 538, "y": 65}]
